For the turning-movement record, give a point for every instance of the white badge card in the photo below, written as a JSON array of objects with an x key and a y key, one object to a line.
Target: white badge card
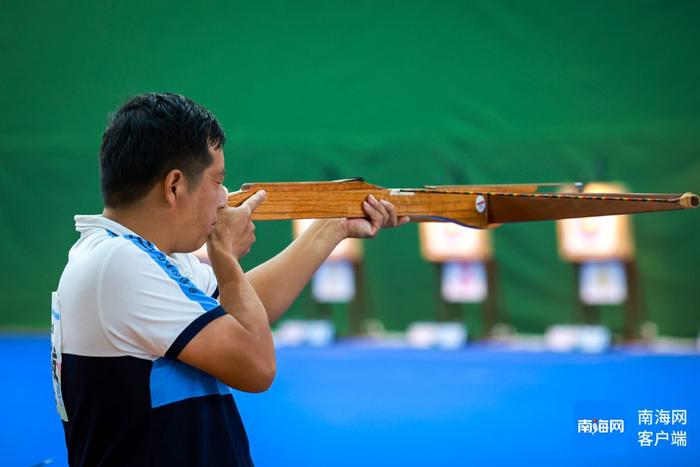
[{"x": 56, "y": 359}]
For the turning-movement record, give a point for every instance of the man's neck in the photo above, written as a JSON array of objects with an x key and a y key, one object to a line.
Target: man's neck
[{"x": 142, "y": 223}]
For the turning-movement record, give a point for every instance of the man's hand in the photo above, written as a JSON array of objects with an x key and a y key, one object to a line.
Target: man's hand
[
  {"x": 234, "y": 231},
  {"x": 237, "y": 348},
  {"x": 381, "y": 214}
]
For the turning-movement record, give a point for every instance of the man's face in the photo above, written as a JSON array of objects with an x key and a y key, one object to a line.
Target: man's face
[{"x": 200, "y": 209}]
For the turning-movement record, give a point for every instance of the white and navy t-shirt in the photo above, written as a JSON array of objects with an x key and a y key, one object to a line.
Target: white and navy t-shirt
[{"x": 122, "y": 313}]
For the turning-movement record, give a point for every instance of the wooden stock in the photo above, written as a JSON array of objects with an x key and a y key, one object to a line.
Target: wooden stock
[{"x": 477, "y": 206}]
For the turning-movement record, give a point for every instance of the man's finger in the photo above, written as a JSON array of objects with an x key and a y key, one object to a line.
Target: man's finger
[
  {"x": 254, "y": 201},
  {"x": 392, "y": 212},
  {"x": 375, "y": 216},
  {"x": 380, "y": 208}
]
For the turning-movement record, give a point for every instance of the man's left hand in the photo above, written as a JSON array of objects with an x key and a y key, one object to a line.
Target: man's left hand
[{"x": 380, "y": 214}]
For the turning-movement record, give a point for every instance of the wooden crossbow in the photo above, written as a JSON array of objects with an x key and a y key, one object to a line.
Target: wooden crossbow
[{"x": 478, "y": 206}]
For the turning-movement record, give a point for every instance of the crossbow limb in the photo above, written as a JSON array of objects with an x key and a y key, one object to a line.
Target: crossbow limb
[{"x": 479, "y": 206}]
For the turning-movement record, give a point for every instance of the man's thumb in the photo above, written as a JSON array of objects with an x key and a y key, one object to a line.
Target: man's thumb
[{"x": 254, "y": 201}]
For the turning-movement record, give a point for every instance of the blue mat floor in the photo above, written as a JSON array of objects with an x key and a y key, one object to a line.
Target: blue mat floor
[{"x": 355, "y": 404}]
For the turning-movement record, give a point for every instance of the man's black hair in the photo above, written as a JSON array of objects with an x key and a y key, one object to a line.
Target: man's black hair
[{"x": 149, "y": 136}]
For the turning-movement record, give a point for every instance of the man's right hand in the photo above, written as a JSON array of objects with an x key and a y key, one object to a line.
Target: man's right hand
[
  {"x": 234, "y": 231},
  {"x": 236, "y": 348}
]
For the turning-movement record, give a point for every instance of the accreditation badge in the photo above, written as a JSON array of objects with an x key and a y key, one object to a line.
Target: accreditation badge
[{"x": 56, "y": 359}]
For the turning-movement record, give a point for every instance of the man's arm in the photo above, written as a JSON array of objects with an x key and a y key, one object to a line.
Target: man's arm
[
  {"x": 280, "y": 280},
  {"x": 236, "y": 348}
]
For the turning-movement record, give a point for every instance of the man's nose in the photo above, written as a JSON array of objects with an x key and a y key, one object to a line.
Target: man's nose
[{"x": 223, "y": 197}]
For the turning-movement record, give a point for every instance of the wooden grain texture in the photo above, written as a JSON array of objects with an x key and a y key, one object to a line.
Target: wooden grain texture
[
  {"x": 327, "y": 203},
  {"x": 453, "y": 203}
]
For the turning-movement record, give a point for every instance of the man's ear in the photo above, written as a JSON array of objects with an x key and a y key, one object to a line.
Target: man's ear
[{"x": 174, "y": 186}]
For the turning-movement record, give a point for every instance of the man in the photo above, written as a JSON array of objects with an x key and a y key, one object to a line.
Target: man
[{"x": 146, "y": 339}]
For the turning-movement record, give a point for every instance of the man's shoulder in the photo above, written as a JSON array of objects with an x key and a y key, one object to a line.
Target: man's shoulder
[
  {"x": 105, "y": 249},
  {"x": 101, "y": 256},
  {"x": 123, "y": 258}
]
